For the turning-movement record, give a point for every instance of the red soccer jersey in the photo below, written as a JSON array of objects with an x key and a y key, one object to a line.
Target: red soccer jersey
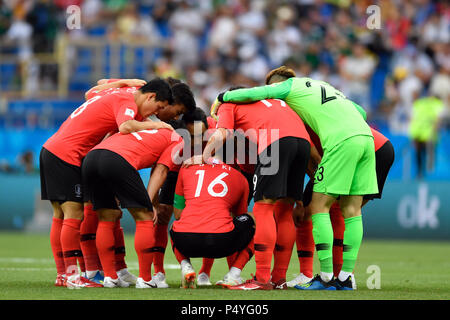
[
  {"x": 315, "y": 140},
  {"x": 90, "y": 122},
  {"x": 212, "y": 123},
  {"x": 379, "y": 139},
  {"x": 264, "y": 122},
  {"x": 211, "y": 193},
  {"x": 211, "y": 128},
  {"x": 144, "y": 148}
]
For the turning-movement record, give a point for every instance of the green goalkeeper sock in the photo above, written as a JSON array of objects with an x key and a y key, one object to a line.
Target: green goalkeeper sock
[
  {"x": 353, "y": 235},
  {"x": 323, "y": 238}
]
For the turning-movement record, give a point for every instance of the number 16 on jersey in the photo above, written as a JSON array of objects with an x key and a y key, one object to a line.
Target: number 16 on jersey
[{"x": 217, "y": 181}]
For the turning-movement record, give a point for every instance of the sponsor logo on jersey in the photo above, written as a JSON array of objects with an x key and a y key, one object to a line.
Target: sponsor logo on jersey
[{"x": 129, "y": 112}]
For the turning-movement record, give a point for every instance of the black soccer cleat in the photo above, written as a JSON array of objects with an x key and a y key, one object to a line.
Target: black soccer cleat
[{"x": 344, "y": 285}]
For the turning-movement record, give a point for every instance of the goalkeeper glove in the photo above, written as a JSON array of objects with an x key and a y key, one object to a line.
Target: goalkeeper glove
[{"x": 214, "y": 108}]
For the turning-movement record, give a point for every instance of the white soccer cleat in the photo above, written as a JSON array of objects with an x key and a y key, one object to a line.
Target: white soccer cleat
[
  {"x": 126, "y": 276},
  {"x": 203, "y": 280},
  {"x": 141, "y": 284},
  {"x": 187, "y": 275},
  {"x": 353, "y": 281},
  {"x": 76, "y": 281},
  {"x": 159, "y": 281},
  {"x": 229, "y": 280},
  {"x": 109, "y": 282},
  {"x": 60, "y": 280},
  {"x": 299, "y": 280}
]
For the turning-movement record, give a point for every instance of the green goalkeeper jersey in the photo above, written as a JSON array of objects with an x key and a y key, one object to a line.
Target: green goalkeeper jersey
[{"x": 325, "y": 109}]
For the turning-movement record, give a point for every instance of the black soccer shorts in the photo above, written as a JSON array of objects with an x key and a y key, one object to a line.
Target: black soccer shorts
[
  {"x": 108, "y": 176},
  {"x": 215, "y": 245},
  {"x": 60, "y": 181},
  {"x": 167, "y": 192},
  {"x": 384, "y": 158},
  {"x": 281, "y": 173}
]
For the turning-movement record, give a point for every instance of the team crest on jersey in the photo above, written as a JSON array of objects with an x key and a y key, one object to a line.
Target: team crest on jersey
[
  {"x": 129, "y": 112},
  {"x": 242, "y": 218},
  {"x": 78, "y": 190},
  {"x": 131, "y": 89}
]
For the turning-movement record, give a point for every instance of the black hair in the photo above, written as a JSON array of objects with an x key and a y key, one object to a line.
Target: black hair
[
  {"x": 172, "y": 81},
  {"x": 196, "y": 115},
  {"x": 160, "y": 87},
  {"x": 236, "y": 88},
  {"x": 176, "y": 124},
  {"x": 182, "y": 94}
]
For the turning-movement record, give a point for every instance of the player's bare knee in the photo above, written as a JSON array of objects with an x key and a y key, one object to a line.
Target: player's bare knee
[
  {"x": 350, "y": 206},
  {"x": 109, "y": 215},
  {"x": 73, "y": 210},
  {"x": 140, "y": 214},
  {"x": 350, "y": 210},
  {"x": 321, "y": 203},
  {"x": 57, "y": 210}
]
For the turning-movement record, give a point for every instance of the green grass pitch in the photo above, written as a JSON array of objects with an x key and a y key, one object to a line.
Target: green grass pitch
[{"x": 408, "y": 270}]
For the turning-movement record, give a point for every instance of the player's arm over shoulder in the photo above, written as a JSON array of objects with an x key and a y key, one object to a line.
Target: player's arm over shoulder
[
  {"x": 133, "y": 125},
  {"x": 104, "y": 84},
  {"x": 273, "y": 91}
]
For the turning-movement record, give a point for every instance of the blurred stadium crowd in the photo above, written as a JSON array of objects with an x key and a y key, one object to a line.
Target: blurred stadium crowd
[{"x": 213, "y": 44}]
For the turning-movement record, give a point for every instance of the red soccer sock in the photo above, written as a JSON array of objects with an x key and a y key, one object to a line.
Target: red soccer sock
[
  {"x": 55, "y": 243},
  {"x": 81, "y": 262},
  {"x": 338, "y": 224},
  {"x": 207, "y": 264},
  {"x": 265, "y": 238},
  {"x": 161, "y": 238},
  {"x": 285, "y": 240},
  {"x": 119, "y": 247},
  {"x": 88, "y": 230},
  {"x": 143, "y": 244},
  {"x": 231, "y": 259},
  {"x": 305, "y": 248},
  {"x": 105, "y": 247},
  {"x": 178, "y": 255},
  {"x": 70, "y": 243},
  {"x": 244, "y": 256}
]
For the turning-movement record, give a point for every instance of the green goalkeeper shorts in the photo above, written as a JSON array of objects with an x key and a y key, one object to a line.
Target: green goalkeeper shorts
[{"x": 348, "y": 168}]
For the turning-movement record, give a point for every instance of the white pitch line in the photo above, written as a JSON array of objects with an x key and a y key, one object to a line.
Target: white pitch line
[
  {"x": 28, "y": 269},
  {"x": 131, "y": 265},
  {"x": 26, "y": 260}
]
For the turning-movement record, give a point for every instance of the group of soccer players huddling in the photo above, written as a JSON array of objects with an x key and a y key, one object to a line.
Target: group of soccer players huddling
[{"x": 258, "y": 143}]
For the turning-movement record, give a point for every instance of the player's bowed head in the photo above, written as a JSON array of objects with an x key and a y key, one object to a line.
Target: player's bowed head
[
  {"x": 152, "y": 97},
  {"x": 279, "y": 74},
  {"x": 183, "y": 102}
]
